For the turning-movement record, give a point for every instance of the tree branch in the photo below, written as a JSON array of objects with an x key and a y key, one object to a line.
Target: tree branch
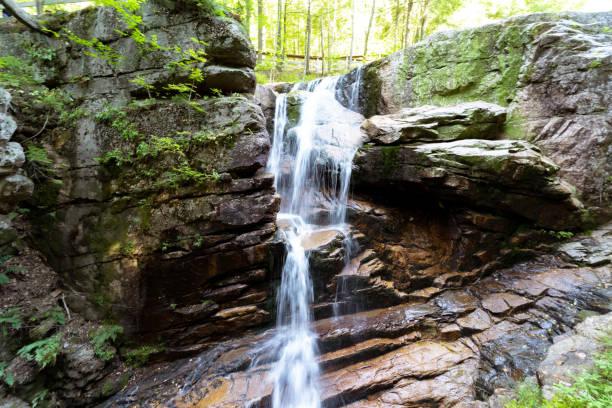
[{"x": 22, "y": 16}]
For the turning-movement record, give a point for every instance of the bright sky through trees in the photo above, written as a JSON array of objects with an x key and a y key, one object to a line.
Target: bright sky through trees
[{"x": 293, "y": 35}]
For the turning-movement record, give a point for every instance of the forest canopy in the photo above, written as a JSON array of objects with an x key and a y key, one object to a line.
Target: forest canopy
[
  {"x": 298, "y": 39},
  {"x": 330, "y": 36}
]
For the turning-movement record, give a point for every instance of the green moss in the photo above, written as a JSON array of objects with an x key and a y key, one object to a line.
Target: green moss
[
  {"x": 373, "y": 89},
  {"x": 140, "y": 356},
  {"x": 145, "y": 216},
  {"x": 389, "y": 159},
  {"x": 595, "y": 64},
  {"x": 478, "y": 64},
  {"x": 107, "y": 233}
]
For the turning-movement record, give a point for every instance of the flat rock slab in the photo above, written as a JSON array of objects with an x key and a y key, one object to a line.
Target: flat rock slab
[
  {"x": 594, "y": 249},
  {"x": 421, "y": 359},
  {"x": 504, "y": 302},
  {"x": 511, "y": 176},
  {"x": 445, "y": 390},
  {"x": 390, "y": 322},
  {"x": 470, "y": 120}
]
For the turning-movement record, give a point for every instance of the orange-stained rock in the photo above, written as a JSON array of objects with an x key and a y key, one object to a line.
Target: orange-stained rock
[
  {"x": 446, "y": 390},
  {"x": 422, "y": 359}
]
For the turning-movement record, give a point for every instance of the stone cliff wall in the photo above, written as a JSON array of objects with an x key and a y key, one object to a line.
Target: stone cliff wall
[
  {"x": 159, "y": 216},
  {"x": 552, "y": 72}
]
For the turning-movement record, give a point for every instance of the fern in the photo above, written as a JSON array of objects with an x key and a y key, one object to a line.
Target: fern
[
  {"x": 10, "y": 318},
  {"x": 44, "y": 352},
  {"x": 103, "y": 335},
  {"x": 9, "y": 379}
]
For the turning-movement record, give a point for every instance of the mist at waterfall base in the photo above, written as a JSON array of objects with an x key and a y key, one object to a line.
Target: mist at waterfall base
[{"x": 312, "y": 164}]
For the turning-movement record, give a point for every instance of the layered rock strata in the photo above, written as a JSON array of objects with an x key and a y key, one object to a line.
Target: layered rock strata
[
  {"x": 160, "y": 217},
  {"x": 15, "y": 186},
  {"x": 447, "y": 347}
]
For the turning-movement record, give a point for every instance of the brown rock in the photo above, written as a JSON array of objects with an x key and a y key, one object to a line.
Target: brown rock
[
  {"x": 478, "y": 320},
  {"x": 499, "y": 303}
]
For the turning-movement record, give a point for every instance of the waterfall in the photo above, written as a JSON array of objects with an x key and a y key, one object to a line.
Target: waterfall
[
  {"x": 311, "y": 161},
  {"x": 353, "y": 101}
]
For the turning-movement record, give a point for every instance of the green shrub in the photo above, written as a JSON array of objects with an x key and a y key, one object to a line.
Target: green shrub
[{"x": 10, "y": 318}]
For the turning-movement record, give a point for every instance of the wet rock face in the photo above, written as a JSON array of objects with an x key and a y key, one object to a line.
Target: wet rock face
[
  {"x": 572, "y": 354},
  {"x": 266, "y": 99},
  {"x": 444, "y": 350},
  {"x": 551, "y": 71},
  {"x": 504, "y": 175}
]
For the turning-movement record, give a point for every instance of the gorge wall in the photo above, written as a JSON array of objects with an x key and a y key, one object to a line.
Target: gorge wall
[
  {"x": 551, "y": 71},
  {"x": 483, "y": 150},
  {"x": 158, "y": 215}
]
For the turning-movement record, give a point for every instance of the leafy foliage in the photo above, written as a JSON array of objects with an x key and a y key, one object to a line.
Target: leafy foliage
[
  {"x": 172, "y": 167},
  {"x": 5, "y": 374},
  {"x": 140, "y": 356},
  {"x": 56, "y": 315},
  {"x": 39, "y": 165},
  {"x": 102, "y": 338},
  {"x": 21, "y": 78}
]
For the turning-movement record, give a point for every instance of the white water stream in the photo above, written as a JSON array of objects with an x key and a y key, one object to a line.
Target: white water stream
[{"x": 312, "y": 164}]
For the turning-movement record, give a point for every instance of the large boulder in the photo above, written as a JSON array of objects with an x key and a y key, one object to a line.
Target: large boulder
[
  {"x": 472, "y": 120},
  {"x": 504, "y": 175}
]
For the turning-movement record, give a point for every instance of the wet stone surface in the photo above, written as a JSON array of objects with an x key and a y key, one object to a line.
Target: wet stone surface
[{"x": 459, "y": 347}]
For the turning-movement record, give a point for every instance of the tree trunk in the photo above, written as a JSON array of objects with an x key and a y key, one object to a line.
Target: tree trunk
[
  {"x": 349, "y": 60},
  {"x": 423, "y": 18},
  {"x": 365, "y": 44},
  {"x": 247, "y": 25},
  {"x": 307, "y": 44},
  {"x": 407, "y": 28},
  {"x": 396, "y": 24},
  {"x": 22, "y": 16},
  {"x": 277, "y": 50},
  {"x": 332, "y": 40},
  {"x": 259, "y": 30},
  {"x": 284, "y": 50},
  {"x": 322, "y": 45}
]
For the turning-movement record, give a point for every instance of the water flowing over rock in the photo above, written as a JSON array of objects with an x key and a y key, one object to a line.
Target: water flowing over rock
[
  {"x": 428, "y": 255},
  {"x": 312, "y": 160}
]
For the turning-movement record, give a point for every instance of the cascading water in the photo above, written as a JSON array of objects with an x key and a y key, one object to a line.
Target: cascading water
[{"x": 312, "y": 165}]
